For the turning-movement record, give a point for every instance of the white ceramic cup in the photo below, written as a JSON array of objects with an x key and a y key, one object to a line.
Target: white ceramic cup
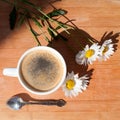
[{"x": 15, "y": 72}]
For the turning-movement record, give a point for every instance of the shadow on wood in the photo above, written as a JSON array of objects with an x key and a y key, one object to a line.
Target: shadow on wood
[{"x": 70, "y": 47}]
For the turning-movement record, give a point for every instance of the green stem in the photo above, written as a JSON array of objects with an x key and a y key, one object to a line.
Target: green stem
[
  {"x": 90, "y": 40},
  {"x": 51, "y": 28},
  {"x": 65, "y": 17},
  {"x": 31, "y": 29},
  {"x": 40, "y": 27},
  {"x": 81, "y": 46},
  {"x": 87, "y": 38},
  {"x": 52, "y": 20}
]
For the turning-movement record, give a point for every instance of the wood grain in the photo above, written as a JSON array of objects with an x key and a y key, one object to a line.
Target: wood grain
[{"x": 101, "y": 101}]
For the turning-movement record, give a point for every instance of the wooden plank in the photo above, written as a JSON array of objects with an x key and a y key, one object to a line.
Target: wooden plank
[{"x": 101, "y": 101}]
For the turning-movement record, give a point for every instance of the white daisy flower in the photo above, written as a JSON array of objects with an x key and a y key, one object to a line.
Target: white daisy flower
[
  {"x": 106, "y": 50},
  {"x": 73, "y": 85},
  {"x": 88, "y": 55}
]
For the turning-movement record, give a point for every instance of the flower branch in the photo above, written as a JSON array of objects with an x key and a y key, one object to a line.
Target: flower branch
[{"x": 23, "y": 11}]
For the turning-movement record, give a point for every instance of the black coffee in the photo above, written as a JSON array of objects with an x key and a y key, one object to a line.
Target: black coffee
[{"x": 41, "y": 70}]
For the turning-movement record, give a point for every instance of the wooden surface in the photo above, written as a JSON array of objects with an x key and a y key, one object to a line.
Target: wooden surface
[{"x": 101, "y": 101}]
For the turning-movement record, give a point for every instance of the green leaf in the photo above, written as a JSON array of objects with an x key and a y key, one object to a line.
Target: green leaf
[
  {"x": 47, "y": 39},
  {"x": 52, "y": 32},
  {"x": 31, "y": 4},
  {"x": 64, "y": 26},
  {"x": 56, "y": 12},
  {"x": 21, "y": 20},
  {"x": 34, "y": 32},
  {"x": 13, "y": 18},
  {"x": 37, "y": 22},
  {"x": 27, "y": 2}
]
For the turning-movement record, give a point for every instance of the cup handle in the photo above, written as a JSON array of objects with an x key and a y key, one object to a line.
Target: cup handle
[{"x": 12, "y": 72}]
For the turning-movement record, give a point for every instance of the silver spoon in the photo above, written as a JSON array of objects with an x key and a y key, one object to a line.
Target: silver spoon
[{"x": 17, "y": 102}]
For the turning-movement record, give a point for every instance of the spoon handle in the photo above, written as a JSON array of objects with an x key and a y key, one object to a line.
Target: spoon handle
[{"x": 58, "y": 103}]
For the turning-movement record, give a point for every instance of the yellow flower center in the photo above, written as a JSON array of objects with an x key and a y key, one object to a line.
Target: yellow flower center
[
  {"x": 70, "y": 84},
  {"x": 89, "y": 53},
  {"x": 105, "y": 50}
]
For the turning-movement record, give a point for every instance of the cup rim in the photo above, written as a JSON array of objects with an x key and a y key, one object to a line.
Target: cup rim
[{"x": 43, "y": 48}]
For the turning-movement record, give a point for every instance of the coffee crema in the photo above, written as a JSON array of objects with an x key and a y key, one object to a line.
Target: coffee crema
[{"x": 41, "y": 70}]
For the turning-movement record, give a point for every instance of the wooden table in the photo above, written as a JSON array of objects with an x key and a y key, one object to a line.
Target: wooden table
[{"x": 101, "y": 101}]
